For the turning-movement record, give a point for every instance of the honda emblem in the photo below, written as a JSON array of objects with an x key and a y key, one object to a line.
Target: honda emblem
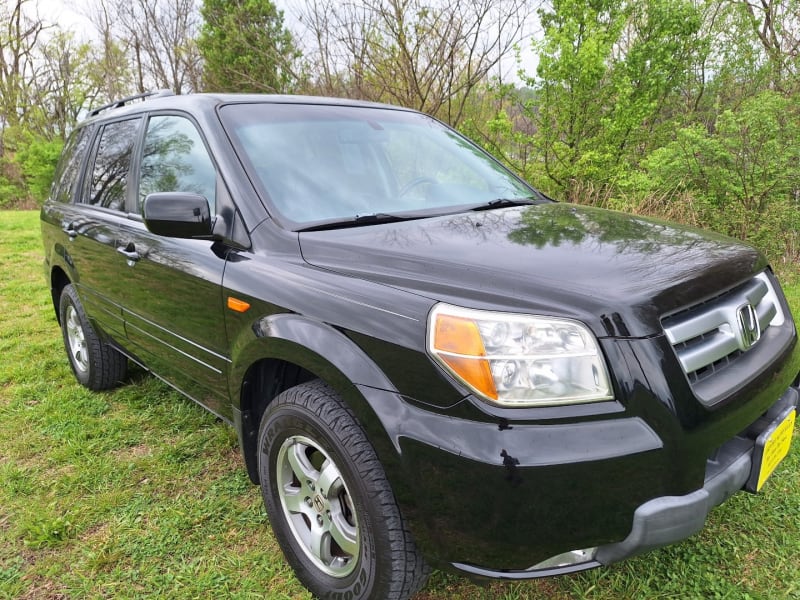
[{"x": 749, "y": 328}]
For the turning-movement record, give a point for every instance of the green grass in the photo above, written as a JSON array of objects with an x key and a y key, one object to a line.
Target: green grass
[{"x": 140, "y": 493}]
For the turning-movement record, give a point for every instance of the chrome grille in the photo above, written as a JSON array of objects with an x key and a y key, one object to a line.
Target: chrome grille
[{"x": 709, "y": 337}]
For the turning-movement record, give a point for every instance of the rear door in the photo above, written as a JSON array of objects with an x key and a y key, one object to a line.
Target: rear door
[
  {"x": 91, "y": 225},
  {"x": 173, "y": 311}
]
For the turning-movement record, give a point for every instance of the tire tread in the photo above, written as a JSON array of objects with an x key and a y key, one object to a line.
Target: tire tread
[
  {"x": 319, "y": 398},
  {"x": 107, "y": 367}
]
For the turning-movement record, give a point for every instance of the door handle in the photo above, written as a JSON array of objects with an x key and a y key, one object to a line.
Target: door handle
[
  {"x": 69, "y": 229},
  {"x": 129, "y": 252}
]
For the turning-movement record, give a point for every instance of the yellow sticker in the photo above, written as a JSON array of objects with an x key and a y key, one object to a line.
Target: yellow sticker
[{"x": 776, "y": 448}]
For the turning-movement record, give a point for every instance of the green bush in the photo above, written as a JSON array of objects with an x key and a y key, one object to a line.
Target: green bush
[
  {"x": 26, "y": 168},
  {"x": 37, "y": 160}
]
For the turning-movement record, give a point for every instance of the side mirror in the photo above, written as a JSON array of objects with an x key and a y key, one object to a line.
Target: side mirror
[{"x": 177, "y": 215}]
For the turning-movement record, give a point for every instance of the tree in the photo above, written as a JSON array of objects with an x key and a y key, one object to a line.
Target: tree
[
  {"x": 606, "y": 71},
  {"x": 750, "y": 156},
  {"x": 47, "y": 79},
  {"x": 19, "y": 37},
  {"x": 66, "y": 84},
  {"x": 428, "y": 55},
  {"x": 114, "y": 67},
  {"x": 776, "y": 24},
  {"x": 20, "y": 70},
  {"x": 246, "y": 48},
  {"x": 743, "y": 173},
  {"x": 157, "y": 41}
]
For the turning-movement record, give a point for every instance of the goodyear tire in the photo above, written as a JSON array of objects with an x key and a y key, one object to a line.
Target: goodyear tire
[{"x": 329, "y": 502}]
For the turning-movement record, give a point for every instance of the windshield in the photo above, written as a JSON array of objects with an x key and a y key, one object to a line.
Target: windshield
[{"x": 318, "y": 163}]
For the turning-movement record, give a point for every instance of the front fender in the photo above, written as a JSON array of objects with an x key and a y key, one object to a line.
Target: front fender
[
  {"x": 329, "y": 355},
  {"x": 314, "y": 346}
]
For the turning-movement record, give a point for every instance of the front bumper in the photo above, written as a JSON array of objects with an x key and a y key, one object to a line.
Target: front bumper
[
  {"x": 669, "y": 519},
  {"x": 490, "y": 499}
]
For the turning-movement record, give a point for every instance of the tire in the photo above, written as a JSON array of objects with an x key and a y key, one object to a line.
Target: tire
[
  {"x": 96, "y": 365},
  {"x": 329, "y": 502}
]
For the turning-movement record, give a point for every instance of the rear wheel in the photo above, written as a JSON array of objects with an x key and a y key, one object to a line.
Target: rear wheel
[
  {"x": 329, "y": 502},
  {"x": 96, "y": 365}
]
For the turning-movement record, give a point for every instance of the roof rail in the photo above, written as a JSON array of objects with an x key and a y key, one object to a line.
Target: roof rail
[{"x": 129, "y": 99}]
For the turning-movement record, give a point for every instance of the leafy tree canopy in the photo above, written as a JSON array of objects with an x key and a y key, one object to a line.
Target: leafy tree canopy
[{"x": 246, "y": 47}]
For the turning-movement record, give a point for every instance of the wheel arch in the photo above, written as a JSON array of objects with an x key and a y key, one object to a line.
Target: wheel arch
[
  {"x": 58, "y": 281},
  {"x": 284, "y": 350}
]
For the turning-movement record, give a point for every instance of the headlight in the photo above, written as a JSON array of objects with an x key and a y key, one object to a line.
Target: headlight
[{"x": 519, "y": 360}]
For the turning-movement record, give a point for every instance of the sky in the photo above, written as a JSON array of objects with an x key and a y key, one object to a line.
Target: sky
[
  {"x": 67, "y": 14},
  {"x": 70, "y": 14}
]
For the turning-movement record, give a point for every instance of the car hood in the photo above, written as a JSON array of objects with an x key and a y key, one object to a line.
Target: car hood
[{"x": 619, "y": 273}]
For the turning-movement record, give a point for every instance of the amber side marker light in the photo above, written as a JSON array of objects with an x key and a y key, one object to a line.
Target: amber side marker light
[
  {"x": 237, "y": 305},
  {"x": 457, "y": 342}
]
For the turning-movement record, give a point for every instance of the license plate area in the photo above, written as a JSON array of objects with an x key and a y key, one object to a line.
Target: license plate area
[{"x": 771, "y": 447}]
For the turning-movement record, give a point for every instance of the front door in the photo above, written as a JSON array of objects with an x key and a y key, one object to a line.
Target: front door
[{"x": 173, "y": 313}]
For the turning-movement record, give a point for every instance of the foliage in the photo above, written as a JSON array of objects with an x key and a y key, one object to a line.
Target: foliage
[
  {"x": 679, "y": 108},
  {"x": 428, "y": 55},
  {"x": 37, "y": 159},
  {"x": 776, "y": 26},
  {"x": 66, "y": 86},
  {"x": 19, "y": 35},
  {"x": 246, "y": 48},
  {"x": 666, "y": 107},
  {"x": 745, "y": 172},
  {"x": 47, "y": 80},
  {"x": 750, "y": 156},
  {"x": 153, "y": 43},
  {"x": 27, "y": 167},
  {"x": 605, "y": 70}
]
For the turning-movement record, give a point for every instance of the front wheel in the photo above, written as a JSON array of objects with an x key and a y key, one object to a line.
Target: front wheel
[{"x": 329, "y": 502}]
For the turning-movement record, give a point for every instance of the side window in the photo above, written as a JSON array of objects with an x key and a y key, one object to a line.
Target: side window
[
  {"x": 176, "y": 160},
  {"x": 109, "y": 182},
  {"x": 69, "y": 166}
]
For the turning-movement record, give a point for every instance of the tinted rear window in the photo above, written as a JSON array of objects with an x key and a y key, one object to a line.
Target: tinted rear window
[
  {"x": 69, "y": 167},
  {"x": 109, "y": 183}
]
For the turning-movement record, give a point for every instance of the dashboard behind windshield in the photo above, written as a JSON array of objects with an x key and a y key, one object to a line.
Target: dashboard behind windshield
[{"x": 317, "y": 163}]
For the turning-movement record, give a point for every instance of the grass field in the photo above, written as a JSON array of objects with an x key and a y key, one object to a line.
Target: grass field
[{"x": 140, "y": 493}]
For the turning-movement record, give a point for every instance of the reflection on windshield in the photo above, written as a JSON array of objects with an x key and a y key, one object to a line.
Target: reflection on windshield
[{"x": 318, "y": 162}]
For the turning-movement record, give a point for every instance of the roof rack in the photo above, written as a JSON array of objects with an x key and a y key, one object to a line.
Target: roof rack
[{"x": 122, "y": 102}]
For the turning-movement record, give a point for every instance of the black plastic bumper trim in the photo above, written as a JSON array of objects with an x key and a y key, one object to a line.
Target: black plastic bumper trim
[{"x": 670, "y": 519}]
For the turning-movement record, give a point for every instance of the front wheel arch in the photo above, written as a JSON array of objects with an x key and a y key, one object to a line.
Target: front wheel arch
[
  {"x": 269, "y": 377},
  {"x": 263, "y": 381},
  {"x": 290, "y": 349}
]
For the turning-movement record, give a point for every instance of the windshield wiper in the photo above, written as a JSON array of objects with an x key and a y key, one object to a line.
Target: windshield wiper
[
  {"x": 376, "y": 218},
  {"x": 368, "y": 219},
  {"x": 505, "y": 203},
  {"x": 381, "y": 218}
]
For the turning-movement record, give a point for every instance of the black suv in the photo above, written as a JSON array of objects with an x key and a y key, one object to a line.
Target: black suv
[{"x": 427, "y": 361}]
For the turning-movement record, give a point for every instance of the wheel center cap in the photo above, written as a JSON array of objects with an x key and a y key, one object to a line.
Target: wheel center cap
[{"x": 319, "y": 503}]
